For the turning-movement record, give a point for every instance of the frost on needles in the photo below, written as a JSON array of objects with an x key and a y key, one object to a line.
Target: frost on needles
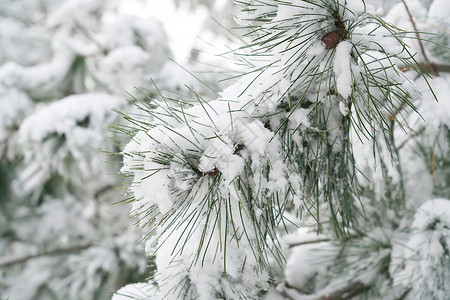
[{"x": 220, "y": 186}]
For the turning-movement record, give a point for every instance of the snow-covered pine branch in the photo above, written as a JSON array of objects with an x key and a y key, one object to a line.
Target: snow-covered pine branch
[{"x": 220, "y": 185}]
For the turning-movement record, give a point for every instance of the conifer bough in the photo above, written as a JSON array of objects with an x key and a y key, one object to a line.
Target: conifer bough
[{"x": 219, "y": 185}]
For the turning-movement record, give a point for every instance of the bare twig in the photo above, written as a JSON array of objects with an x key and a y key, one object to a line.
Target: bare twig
[
  {"x": 286, "y": 295},
  {"x": 347, "y": 292},
  {"x": 440, "y": 68},
  {"x": 432, "y": 67},
  {"x": 303, "y": 291},
  {"x": 90, "y": 37},
  {"x": 415, "y": 133},
  {"x": 39, "y": 291},
  {"x": 8, "y": 262},
  {"x": 403, "y": 296},
  {"x": 103, "y": 190},
  {"x": 394, "y": 119},
  {"x": 433, "y": 156},
  {"x": 309, "y": 242}
]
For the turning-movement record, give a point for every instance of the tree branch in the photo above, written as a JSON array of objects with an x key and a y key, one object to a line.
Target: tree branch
[
  {"x": 309, "y": 242},
  {"x": 432, "y": 67},
  {"x": 8, "y": 262},
  {"x": 347, "y": 292},
  {"x": 440, "y": 68},
  {"x": 433, "y": 155},
  {"x": 303, "y": 291},
  {"x": 409, "y": 137},
  {"x": 403, "y": 296},
  {"x": 103, "y": 190}
]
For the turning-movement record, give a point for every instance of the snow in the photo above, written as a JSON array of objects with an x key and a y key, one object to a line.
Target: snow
[
  {"x": 255, "y": 137},
  {"x": 356, "y": 8},
  {"x": 27, "y": 289},
  {"x": 180, "y": 38},
  {"x": 35, "y": 42},
  {"x": 435, "y": 210},
  {"x": 35, "y": 77},
  {"x": 147, "y": 33},
  {"x": 439, "y": 11},
  {"x": 300, "y": 117},
  {"x": 273, "y": 295},
  {"x": 72, "y": 11},
  {"x": 220, "y": 155},
  {"x": 138, "y": 291},
  {"x": 200, "y": 142},
  {"x": 62, "y": 116},
  {"x": 423, "y": 261},
  {"x": 433, "y": 113},
  {"x": 125, "y": 69},
  {"x": 212, "y": 133},
  {"x": 14, "y": 106},
  {"x": 305, "y": 263},
  {"x": 256, "y": 10},
  {"x": 342, "y": 69},
  {"x": 68, "y": 128},
  {"x": 58, "y": 218},
  {"x": 213, "y": 184},
  {"x": 343, "y": 108}
]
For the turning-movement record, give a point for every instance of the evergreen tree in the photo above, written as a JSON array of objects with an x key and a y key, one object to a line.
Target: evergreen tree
[
  {"x": 321, "y": 172},
  {"x": 64, "y": 65}
]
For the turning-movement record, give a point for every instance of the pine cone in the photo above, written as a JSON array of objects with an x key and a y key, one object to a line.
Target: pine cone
[{"x": 331, "y": 39}]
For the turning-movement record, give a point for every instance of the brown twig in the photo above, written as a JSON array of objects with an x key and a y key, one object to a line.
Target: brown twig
[
  {"x": 303, "y": 291},
  {"x": 90, "y": 37},
  {"x": 39, "y": 291},
  {"x": 103, "y": 190},
  {"x": 415, "y": 133},
  {"x": 432, "y": 67},
  {"x": 403, "y": 296},
  {"x": 394, "y": 119},
  {"x": 347, "y": 292},
  {"x": 440, "y": 68},
  {"x": 61, "y": 251},
  {"x": 309, "y": 242},
  {"x": 433, "y": 156}
]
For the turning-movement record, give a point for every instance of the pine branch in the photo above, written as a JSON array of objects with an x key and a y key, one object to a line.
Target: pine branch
[{"x": 8, "y": 262}]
